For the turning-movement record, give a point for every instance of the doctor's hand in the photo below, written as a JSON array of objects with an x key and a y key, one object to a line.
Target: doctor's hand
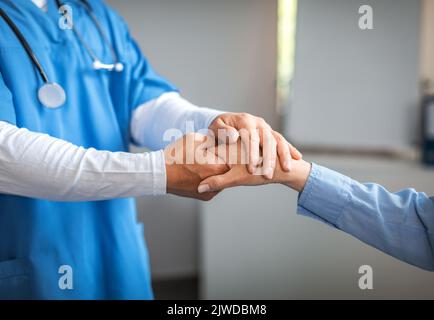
[
  {"x": 239, "y": 175},
  {"x": 256, "y": 136},
  {"x": 188, "y": 162}
]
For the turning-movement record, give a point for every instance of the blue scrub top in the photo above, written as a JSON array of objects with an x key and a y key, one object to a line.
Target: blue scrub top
[{"x": 101, "y": 242}]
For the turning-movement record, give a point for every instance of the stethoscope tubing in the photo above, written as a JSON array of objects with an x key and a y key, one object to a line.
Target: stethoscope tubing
[
  {"x": 35, "y": 59},
  {"x": 101, "y": 32},
  {"x": 51, "y": 94},
  {"x": 25, "y": 44}
]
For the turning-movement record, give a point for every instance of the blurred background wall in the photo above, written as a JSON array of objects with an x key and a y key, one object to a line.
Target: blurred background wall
[
  {"x": 427, "y": 45},
  {"x": 249, "y": 243},
  {"x": 363, "y": 82}
]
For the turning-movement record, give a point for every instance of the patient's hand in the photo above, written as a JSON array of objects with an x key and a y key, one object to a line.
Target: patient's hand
[
  {"x": 239, "y": 174},
  {"x": 259, "y": 135},
  {"x": 188, "y": 162}
]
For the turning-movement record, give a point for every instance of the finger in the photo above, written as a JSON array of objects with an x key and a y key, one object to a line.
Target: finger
[
  {"x": 295, "y": 153},
  {"x": 218, "y": 183},
  {"x": 283, "y": 151},
  {"x": 269, "y": 150},
  {"x": 226, "y": 133},
  {"x": 244, "y": 147},
  {"x": 254, "y": 151}
]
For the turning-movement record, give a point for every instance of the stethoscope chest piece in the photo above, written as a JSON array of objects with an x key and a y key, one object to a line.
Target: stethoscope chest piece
[{"x": 52, "y": 95}]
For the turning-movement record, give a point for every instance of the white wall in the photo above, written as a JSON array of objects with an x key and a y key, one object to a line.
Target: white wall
[
  {"x": 356, "y": 88},
  {"x": 220, "y": 53},
  {"x": 427, "y": 52}
]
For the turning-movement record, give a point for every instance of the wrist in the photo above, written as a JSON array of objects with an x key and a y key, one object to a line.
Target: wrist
[{"x": 297, "y": 178}]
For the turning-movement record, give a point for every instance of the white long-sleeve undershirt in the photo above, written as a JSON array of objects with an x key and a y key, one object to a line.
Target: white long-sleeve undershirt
[
  {"x": 39, "y": 166},
  {"x": 151, "y": 121},
  {"x": 41, "y": 4}
]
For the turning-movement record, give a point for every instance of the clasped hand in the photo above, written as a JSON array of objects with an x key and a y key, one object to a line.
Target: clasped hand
[{"x": 200, "y": 166}]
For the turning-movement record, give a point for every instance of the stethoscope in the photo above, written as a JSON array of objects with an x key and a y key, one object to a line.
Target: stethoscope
[{"x": 51, "y": 94}]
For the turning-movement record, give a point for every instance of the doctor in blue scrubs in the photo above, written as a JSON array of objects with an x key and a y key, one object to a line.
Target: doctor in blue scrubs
[{"x": 73, "y": 96}]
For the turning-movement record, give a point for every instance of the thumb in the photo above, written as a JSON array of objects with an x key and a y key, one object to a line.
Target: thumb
[
  {"x": 225, "y": 133},
  {"x": 218, "y": 183}
]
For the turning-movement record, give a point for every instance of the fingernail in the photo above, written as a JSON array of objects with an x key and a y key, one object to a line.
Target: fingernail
[{"x": 204, "y": 188}]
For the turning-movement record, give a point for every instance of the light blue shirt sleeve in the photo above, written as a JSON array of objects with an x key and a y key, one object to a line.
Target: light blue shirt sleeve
[{"x": 400, "y": 224}]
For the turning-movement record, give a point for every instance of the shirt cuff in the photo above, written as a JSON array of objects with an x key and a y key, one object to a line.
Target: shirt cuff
[
  {"x": 159, "y": 178},
  {"x": 325, "y": 195},
  {"x": 205, "y": 117}
]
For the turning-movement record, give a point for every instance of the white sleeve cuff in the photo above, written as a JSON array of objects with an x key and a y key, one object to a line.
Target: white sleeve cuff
[
  {"x": 206, "y": 116},
  {"x": 159, "y": 179}
]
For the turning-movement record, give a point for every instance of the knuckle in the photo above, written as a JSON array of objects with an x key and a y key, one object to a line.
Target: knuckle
[
  {"x": 245, "y": 123},
  {"x": 279, "y": 137},
  {"x": 263, "y": 122},
  {"x": 241, "y": 117}
]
